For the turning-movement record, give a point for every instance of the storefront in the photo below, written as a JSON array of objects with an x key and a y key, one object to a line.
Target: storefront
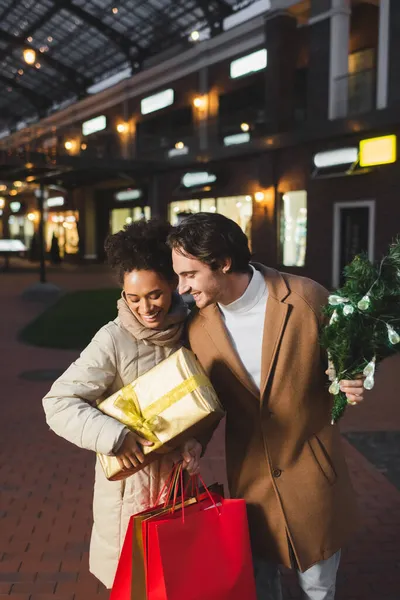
[
  {"x": 237, "y": 208},
  {"x": 215, "y": 191},
  {"x": 127, "y": 206},
  {"x": 61, "y": 226}
]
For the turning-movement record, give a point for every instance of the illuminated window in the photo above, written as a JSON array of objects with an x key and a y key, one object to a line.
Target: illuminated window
[
  {"x": 124, "y": 216},
  {"x": 293, "y": 229},
  {"x": 237, "y": 208}
]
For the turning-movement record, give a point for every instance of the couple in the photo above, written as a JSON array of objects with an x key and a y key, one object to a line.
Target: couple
[{"x": 255, "y": 331}]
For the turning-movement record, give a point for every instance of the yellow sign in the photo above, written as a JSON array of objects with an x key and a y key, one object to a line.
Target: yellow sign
[{"x": 378, "y": 151}]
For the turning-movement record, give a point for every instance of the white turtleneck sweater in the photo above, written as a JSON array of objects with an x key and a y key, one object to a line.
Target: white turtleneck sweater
[{"x": 244, "y": 319}]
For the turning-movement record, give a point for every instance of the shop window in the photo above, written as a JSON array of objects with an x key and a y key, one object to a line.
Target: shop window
[
  {"x": 293, "y": 228},
  {"x": 237, "y": 208},
  {"x": 181, "y": 209},
  {"x": 64, "y": 226},
  {"x": 124, "y": 216}
]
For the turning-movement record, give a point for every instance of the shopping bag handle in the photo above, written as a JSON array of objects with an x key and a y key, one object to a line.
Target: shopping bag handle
[{"x": 169, "y": 486}]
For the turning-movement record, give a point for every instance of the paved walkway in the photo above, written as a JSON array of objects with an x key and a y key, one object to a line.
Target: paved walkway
[{"x": 46, "y": 483}]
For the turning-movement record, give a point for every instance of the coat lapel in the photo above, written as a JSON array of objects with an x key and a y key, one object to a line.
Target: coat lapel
[
  {"x": 214, "y": 325},
  {"x": 274, "y": 324}
]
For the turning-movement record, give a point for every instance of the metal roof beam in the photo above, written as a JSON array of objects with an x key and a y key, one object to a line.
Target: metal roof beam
[
  {"x": 125, "y": 44},
  {"x": 215, "y": 11},
  {"x": 79, "y": 83},
  {"x": 37, "y": 100}
]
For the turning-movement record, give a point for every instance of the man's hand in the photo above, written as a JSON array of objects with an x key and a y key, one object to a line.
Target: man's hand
[
  {"x": 191, "y": 453},
  {"x": 130, "y": 453},
  {"x": 353, "y": 389}
]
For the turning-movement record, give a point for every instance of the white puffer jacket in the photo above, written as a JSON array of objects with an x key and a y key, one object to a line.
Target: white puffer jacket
[{"x": 113, "y": 359}]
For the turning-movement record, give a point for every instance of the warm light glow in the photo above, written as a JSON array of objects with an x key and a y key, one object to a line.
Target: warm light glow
[
  {"x": 199, "y": 102},
  {"x": 248, "y": 198},
  {"x": 50, "y": 39},
  {"x": 13, "y": 192},
  {"x": 29, "y": 39},
  {"x": 32, "y": 216},
  {"x": 195, "y": 36},
  {"x": 17, "y": 184},
  {"x": 70, "y": 145},
  {"x": 378, "y": 151},
  {"x": 29, "y": 165},
  {"x": 179, "y": 145},
  {"x": 20, "y": 71},
  {"x": 259, "y": 196},
  {"x": 115, "y": 10},
  {"x": 245, "y": 127},
  {"x": 2, "y": 202},
  {"x": 128, "y": 220},
  {"x": 83, "y": 146},
  {"x": 30, "y": 178},
  {"x": 29, "y": 56},
  {"x": 3, "y": 187},
  {"x": 38, "y": 65},
  {"x": 122, "y": 127}
]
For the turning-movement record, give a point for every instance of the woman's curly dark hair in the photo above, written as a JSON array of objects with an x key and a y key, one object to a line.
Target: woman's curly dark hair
[{"x": 141, "y": 246}]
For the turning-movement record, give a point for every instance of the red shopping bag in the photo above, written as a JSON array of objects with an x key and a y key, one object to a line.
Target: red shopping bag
[
  {"x": 130, "y": 577},
  {"x": 200, "y": 553}
]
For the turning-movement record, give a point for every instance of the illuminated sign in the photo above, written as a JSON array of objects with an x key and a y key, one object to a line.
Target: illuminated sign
[
  {"x": 238, "y": 138},
  {"x": 198, "y": 178},
  {"x": 94, "y": 125},
  {"x": 178, "y": 152},
  {"x": 12, "y": 246},
  {"x": 57, "y": 201},
  {"x": 126, "y": 195},
  {"x": 251, "y": 63},
  {"x": 378, "y": 151},
  {"x": 157, "y": 101},
  {"x": 334, "y": 158}
]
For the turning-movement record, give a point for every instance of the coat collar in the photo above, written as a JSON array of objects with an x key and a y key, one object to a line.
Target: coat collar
[{"x": 274, "y": 323}]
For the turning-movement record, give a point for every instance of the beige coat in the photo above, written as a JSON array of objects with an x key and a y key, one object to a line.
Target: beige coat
[
  {"x": 283, "y": 455},
  {"x": 113, "y": 359}
]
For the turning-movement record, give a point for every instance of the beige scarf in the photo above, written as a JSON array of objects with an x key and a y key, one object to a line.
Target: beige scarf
[{"x": 173, "y": 324}]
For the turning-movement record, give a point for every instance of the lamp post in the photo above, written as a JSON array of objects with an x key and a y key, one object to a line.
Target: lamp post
[{"x": 41, "y": 195}]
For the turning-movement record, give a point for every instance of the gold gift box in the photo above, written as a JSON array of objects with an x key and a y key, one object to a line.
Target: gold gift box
[{"x": 169, "y": 404}]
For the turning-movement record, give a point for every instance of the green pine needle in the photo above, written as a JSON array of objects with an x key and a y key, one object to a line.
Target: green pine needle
[{"x": 353, "y": 340}]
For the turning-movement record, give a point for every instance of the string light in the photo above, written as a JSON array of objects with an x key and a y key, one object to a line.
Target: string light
[
  {"x": 38, "y": 65},
  {"x": 115, "y": 10},
  {"x": 195, "y": 36},
  {"x": 179, "y": 145},
  {"x": 50, "y": 39},
  {"x": 245, "y": 127}
]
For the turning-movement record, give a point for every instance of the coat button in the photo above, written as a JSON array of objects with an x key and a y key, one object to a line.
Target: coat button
[{"x": 277, "y": 472}]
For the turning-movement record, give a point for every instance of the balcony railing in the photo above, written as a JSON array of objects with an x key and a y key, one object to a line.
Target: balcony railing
[{"x": 355, "y": 94}]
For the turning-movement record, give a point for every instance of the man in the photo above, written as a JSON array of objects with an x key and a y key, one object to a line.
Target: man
[{"x": 255, "y": 331}]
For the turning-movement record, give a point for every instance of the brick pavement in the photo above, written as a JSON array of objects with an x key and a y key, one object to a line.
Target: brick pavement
[{"x": 46, "y": 483}]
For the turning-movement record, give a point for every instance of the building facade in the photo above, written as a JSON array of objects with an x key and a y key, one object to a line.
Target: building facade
[{"x": 286, "y": 123}]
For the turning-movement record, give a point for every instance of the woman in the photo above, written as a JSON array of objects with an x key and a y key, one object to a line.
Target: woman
[{"x": 147, "y": 330}]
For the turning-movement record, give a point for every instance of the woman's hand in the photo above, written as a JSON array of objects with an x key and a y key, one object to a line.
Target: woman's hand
[
  {"x": 130, "y": 453},
  {"x": 191, "y": 453}
]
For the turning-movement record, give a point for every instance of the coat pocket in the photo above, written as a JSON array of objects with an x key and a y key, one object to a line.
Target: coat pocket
[{"x": 322, "y": 459}]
